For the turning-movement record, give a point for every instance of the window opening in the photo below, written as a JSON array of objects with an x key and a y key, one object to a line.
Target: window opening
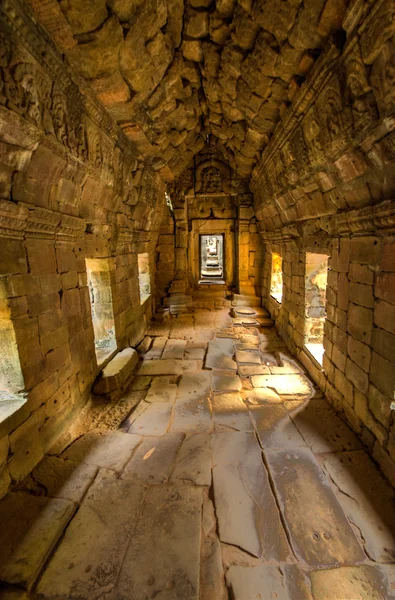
[
  {"x": 276, "y": 284},
  {"x": 100, "y": 293},
  {"x": 11, "y": 378},
  {"x": 144, "y": 276},
  {"x": 212, "y": 259},
  {"x": 316, "y": 277}
]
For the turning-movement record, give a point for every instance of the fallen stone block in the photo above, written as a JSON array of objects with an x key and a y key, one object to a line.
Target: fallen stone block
[{"x": 117, "y": 374}]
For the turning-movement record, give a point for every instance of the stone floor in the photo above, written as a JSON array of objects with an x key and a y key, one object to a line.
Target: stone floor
[{"x": 221, "y": 474}]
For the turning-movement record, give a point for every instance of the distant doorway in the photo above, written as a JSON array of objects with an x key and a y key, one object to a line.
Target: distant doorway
[{"x": 212, "y": 268}]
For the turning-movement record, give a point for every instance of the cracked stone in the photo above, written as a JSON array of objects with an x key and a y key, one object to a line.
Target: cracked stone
[
  {"x": 110, "y": 450},
  {"x": 275, "y": 429},
  {"x": 155, "y": 420},
  {"x": 193, "y": 464},
  {"x": 153, "y": 460}
]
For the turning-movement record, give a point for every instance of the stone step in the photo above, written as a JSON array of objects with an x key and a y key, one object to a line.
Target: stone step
[
  {"x": 117, "y": 374},
  {"x": 244, "y": 300}
]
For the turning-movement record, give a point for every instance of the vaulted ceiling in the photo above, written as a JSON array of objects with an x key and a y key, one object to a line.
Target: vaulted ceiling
[{"x": 171, "y": 72}]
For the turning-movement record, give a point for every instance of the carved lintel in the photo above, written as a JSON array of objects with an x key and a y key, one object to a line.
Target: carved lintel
[{"x": 13, "y": 218}]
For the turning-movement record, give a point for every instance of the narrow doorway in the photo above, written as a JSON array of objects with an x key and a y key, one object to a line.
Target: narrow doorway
[{"x": 212, "y": 268}]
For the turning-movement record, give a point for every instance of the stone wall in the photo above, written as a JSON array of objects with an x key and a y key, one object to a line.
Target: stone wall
[
  {"x": 71, "y": 188},
  {"x": 325, "y": 184}
]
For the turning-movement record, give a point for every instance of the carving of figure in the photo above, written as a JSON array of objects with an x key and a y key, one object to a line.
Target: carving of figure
[
  {"x": 358, "y": 90},
  {"x": 210, "y": 180},
  {"x": 5, "y": 55},
  {"x": 29, "y": 80},
  {"x": 59, "y": 117},
  {"x": 383, "y": 79}
]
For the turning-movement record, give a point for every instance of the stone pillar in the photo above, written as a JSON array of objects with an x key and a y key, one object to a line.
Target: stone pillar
[{"x": 245, "y": 213}]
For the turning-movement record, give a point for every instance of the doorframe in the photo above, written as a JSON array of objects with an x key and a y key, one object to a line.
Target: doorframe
[{"x": 222, "y": 235}]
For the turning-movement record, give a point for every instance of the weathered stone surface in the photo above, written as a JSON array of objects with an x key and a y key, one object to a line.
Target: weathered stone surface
[
  {"x": 266, "y": 582},
  {"x": 60, "y": 478},
  {"x": 117, "y": 372},
  {"x": 153, "y": 460},
  {"x": 246, "y": 510},
  {"x": 320, "y": 533},
  {"x": 223, "y": 384},
  {"x": 285, "y": 385},
  {"x": 174, "y": 349},
  {"x": 90, "y": 555},
  {"x": 162, "y": 390},
  {"x": 212, "y": 581},
  {"x": 248, "y": 357},
  {"x": 230, "y": 413},
  {"x": 192, "y": 412},
  {"x": 165, "y": 547},
  {"x": 365, "y": 582},
  {"x": 103, "y": 449},
  {"x": 169, "y": 367},
  {"x": 262, "y": 396},
  {"x": 155, "y": 420},
  {"x": 29, "y": 530},
  {"x": 275, "y": 429},
  {"x": 322, "y": 430},
  {"x": 367, "y": 500},
  {"x": 193, "y": 464},
  {"x": 219, "y": 354}
]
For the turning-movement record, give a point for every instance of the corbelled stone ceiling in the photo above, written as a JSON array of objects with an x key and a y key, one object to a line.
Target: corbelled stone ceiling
[{"x": 172, "y": 72}]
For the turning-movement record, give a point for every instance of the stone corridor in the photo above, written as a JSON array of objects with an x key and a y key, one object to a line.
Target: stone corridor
[{"x": 222, "y": 472}]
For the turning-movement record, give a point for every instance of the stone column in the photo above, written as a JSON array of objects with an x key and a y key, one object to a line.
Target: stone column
[{"x": 245, "y": 213}]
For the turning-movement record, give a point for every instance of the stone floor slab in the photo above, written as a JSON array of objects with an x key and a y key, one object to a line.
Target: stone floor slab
[
  {"x": 230, "y": 413},
  {"x": 350, "y": 583},
  {"x": 261, "y": 396},
  {"x": 212, "y": 581},
  {"x": 174, "y": 349},
  {"x": 223, "y": 384},
  {"x": 110, "y": 450},
  {"x": 154, "y": 459},
  {"x": 219, "y": 354},
  {"x": 245, "y": 506},
  {"x": 87, "y": 561},
  {"x": 60, "y": 478},
  {"x": 250, "y": 370},
  {"x": 319, "y": 531},
  {"x": 156, "y": 349},
  {"x": 30, "y": 527},
  {"x": 248, "y": 357},
  {"x": 169, "y": 367},
  {"x": 367, "y": 500},
  {"x": 322, "y": 429},
  {"x": 192, "y": 411},
  {"x": 274, "y": 428},
  {"x": 285, "y": 385},
  {"x": 163, "y": 389},
  {"x": 155, "y": 420},
  {"x": 163, "y": 558},
  {"x": 193, "y": 464}
]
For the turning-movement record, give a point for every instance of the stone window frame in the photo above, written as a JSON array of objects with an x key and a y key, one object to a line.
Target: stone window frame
[
  {"x": 312, "y": 348},
  {"x": 144, "y": 278},
  {"x": 273, "y": 294},
  {"x": 104, "y": 269},
  {"x": 12, "y": 391}
]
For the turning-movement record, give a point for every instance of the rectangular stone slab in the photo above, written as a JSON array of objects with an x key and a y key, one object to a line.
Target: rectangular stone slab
[
  {"x": 223, "y": 384},
  {"x": 230, "y": 413},
  {"x": 219, "y": 354},
  {"x": 89, "y": 557},
  {"x": 104, "y": 449},
  {"x": 319, "y": 531},
  {"x": 169, "y": 366},
  {"x": 155, "y": 420},
  {"x": 365, "y": 582},
  {"x": 367, "y": 499},
  {"x": 274, "y": 427},
  {"x": 248, "y": 357},
  {"x": 30, "y": 527},
  {"x": 156, "y": 349},
  {"x": 322, "y": 429},
  {"x": 249, "y": 370},
  {"x": 163, "y": 558},
  {"x": 285, "y": 385},
  {"x": 154, "y": 459},
  {"x": 192, "y": 411},
  {"x": 267, "y": 582},
  {"x": 162, "y": 390},
  {"x": 174, "y": 349},
  {"x": 245, "y": 506},
  {"x": 193, "y": 464}
]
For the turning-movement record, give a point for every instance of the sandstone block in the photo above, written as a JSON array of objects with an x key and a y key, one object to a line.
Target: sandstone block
[
  {"x": 365, "y": 250},
  {"x": 360, "y": 323},
  {"x": 357, "y": 376},
  {"x": 118, "y": 371},
  {"x": 384, "y": 316}
]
